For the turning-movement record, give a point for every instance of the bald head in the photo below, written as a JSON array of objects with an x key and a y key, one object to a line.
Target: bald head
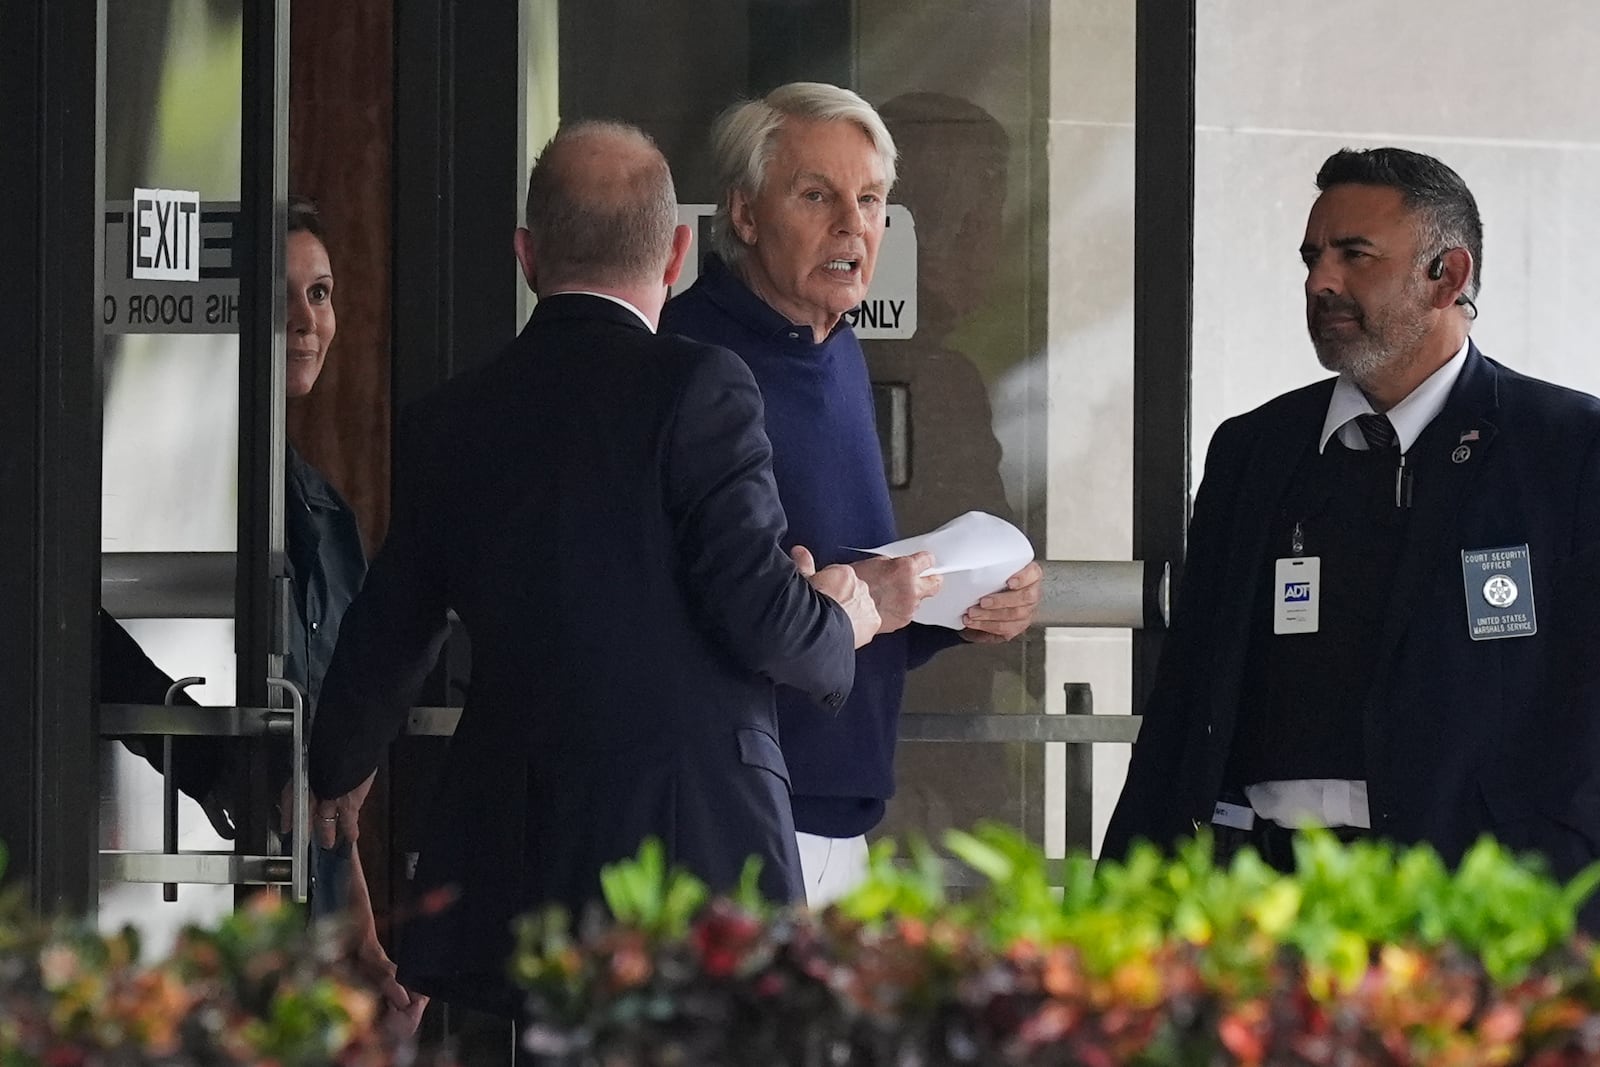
[{"x": 601, "y": 209}]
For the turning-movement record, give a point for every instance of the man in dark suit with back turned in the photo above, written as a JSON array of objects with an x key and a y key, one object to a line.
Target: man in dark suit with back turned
[
  {"x": 597, "y": 505},
  {"x": 1391, "y": 574}
]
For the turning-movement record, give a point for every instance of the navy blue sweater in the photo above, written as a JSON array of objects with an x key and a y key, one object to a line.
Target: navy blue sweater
[{"x": 829, "y": 469}]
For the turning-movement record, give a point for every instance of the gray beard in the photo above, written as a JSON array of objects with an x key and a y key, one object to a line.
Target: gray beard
[
  {"x": 1361, "y": 359},
  {"x": 1367, "y": 357}
]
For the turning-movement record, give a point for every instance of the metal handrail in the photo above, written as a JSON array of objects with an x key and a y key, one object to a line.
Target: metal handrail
[
  {"x": 172, "y": 866},
  {"x": 169, "y": 786},
  {"x": 157, "y": 720},
  {"x": 1078, "y": 728},
  {"x": 195, "y": 868},
  {"x": 200, "y": 585},
  {"x": 168, "y": 585},
  {"x": 1019, "y": 729},
  {"x": 957, "y": 727},
  {"x": 299, "y": 840}
]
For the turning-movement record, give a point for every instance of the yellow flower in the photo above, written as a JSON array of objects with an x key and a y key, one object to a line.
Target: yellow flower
[
  {"x": 1137, "y": 982},
  {"x": 1275, "y": 909},
  {"x": 1400, "y": 966},
  {"x": 1193, "y": 926}
]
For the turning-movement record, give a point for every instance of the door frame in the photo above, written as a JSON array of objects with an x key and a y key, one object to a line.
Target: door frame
[
  {"x": 1163, "y": 302},
  {"x": 52, "y": 68},
  {"x": 50, "y": 178},
  {"x": 50, "y": 175}
]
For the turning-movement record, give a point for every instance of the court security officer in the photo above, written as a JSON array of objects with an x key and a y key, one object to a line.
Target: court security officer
[{"x": 1391, "y": 593}]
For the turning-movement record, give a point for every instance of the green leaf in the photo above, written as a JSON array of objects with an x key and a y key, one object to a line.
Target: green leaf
[
  {"x": 1576, "y": 893},
  {"x": 614, "y": 887},
  {"x": 684, "y": 896},
  {"x": 647, "y": 881},
  {"x": 748, "y": 896},
  {"x": 928, "y": 874},
  {"x": 980, "y": 856}
]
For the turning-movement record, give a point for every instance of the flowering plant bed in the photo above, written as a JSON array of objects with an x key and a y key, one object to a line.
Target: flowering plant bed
[
  {"x": 258, "y": 989},
  {"x": 1366, "y": 955}
]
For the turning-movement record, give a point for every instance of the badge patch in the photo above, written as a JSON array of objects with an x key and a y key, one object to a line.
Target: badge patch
[
  {"x": 1237, "y": 816},
  {"x": 1500, "y": 591},
  {"x": 1296, "y": 595},
  {"x": 1498, "y": 583}
]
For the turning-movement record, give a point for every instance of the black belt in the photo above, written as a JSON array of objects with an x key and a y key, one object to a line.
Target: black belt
[{"x": 1272, "y": 842}]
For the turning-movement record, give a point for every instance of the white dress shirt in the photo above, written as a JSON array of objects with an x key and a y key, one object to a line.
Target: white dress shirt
[
  {"x": 1409, "y": 417},
  {"x": 614, "y": 299},
  {"x": 1336, "y": 801}
]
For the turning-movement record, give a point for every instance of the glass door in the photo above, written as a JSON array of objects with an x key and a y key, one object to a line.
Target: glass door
[
  {"x": 193, "y": 455},
  {"x": 999, "y": 332}
]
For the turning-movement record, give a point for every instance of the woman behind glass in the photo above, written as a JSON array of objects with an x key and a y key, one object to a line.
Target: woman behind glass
[{"x": 326, "y": 568}]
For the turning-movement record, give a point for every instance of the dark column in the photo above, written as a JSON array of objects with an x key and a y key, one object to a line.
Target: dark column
[
  {"x": 456, "y": 201},
  {"x": 261, "y": 595},
  {"x": 1163, "y": 298},
  {"x": 49, "y": 448},
  {"x": 456, "y": 180}
]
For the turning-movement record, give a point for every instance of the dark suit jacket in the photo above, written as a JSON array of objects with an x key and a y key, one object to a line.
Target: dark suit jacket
[
  {"x": 1463, "y": 737},
  {"x": 597, "y": 505}
]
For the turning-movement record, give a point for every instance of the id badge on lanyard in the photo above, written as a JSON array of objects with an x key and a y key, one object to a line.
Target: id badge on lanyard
[{"x": 1296, "y": 589}]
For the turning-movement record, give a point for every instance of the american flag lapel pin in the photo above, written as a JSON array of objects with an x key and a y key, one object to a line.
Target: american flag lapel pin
[{"x": 1469, "y": 435}]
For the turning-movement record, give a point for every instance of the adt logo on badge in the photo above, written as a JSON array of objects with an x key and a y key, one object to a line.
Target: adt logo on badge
[{"x": 1295, "y": 579}]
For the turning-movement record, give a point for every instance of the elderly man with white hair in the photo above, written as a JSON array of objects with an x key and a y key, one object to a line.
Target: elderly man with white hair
[{"x": 803, "y": 177}]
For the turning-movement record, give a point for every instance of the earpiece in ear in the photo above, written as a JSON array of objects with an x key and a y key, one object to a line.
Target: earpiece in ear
[{"x": 1436, "y": 268}]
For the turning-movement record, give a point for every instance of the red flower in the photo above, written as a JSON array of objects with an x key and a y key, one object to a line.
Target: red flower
[
  {"x": 723, "y": 939},
  {"x": 1241, "y": 1032}
]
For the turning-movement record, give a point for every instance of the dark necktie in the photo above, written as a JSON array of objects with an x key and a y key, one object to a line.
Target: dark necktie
[{"x": 1378, "y": 431}]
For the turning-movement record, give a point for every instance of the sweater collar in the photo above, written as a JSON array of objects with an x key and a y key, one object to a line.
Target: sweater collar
[{"x": 729, "y": 292}]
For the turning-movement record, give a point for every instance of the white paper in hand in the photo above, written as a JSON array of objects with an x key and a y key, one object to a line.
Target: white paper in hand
[{"x": 975, "y": 553}]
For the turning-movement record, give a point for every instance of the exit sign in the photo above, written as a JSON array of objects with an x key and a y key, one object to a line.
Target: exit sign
[{"x": 166, "y": 235}]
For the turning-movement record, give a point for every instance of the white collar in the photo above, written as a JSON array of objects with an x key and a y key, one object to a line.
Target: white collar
[
  {"x": 614, "y": 299},
  {"x": 1409, "y": 417}
]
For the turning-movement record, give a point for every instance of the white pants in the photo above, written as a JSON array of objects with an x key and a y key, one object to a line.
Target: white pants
[{"x": 831, "y": 866}]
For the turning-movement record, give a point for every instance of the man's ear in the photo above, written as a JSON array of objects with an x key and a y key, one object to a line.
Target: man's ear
[
  {"x": 742, "y": 216},
  {"x": 682, "y": 238},
  {"x": 522, "y": 243},
  {"x": 1453, "y": 281}
]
